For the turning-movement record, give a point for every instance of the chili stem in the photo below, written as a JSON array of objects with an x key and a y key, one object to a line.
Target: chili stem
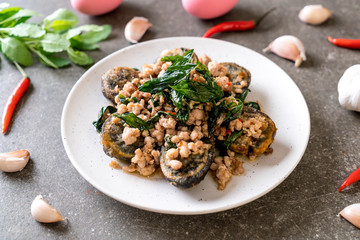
[
  {"x": 21, "y": 70},
  {"x": 257, "y": 21}
]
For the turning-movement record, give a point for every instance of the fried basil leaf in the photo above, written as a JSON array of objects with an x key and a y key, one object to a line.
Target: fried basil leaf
[
  {"x": 174, "y": 74},
  {"x": 135, "y": 122},
  {"x": 199, "y": 92},
  {"x": 169, "y": 143},
  {"x": 102, "y": 113},
  {"x": 230, "y": 140}
]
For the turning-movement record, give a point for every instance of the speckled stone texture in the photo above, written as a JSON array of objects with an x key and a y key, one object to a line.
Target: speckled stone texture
[{"x": 304, "y": 206}]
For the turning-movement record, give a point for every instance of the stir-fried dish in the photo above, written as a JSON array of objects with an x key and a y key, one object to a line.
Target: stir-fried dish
[{"x": 185, "y": 115}]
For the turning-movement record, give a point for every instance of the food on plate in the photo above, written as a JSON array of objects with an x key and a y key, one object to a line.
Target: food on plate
[
  {"x": 115, "y": 79},
  {"x": 233, "y": 73},
  {"x": 261, "y": 131},
  {"x": 187, "y": 171},
  {"x": 184, "y": 115}
]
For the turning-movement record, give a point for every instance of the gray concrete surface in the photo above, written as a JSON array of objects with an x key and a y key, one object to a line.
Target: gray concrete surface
[{"x": 304, "y": 206}]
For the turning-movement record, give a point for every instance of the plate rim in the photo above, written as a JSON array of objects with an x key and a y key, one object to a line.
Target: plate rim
[{"x": 213, "y": 210}]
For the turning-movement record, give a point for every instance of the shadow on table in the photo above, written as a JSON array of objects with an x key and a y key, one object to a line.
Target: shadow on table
[{"x": 62, "y": 227}]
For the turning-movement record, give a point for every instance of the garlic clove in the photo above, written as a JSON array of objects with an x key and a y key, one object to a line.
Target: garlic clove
[
  {"x": 349, "y": 88},
  {"x": 352, "y": 214},
  {"x": 14, "y": 161},
  {"x": 43, "y": 212},
  {"x": 136, "y": 28},
  {"x": 289, "y": 47},
  {"x": 314, "y": 14}
]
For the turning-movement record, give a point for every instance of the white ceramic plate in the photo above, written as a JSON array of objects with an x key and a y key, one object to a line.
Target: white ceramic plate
[{"x": 278, "y": 94}]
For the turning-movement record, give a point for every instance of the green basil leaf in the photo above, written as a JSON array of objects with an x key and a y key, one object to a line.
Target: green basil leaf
[
  {"x": 60, "y": 20},
  {"x": 202, "y": 69},
  {"x": 177, "y": 98},
  {"x": 27, "y": 30},
  {"x": 20, "y": 16},
  {"x": 125, "y": 100},
  {"x": 16, "y": 51},
  {"x": 199, "y": 92},
  {"x": 83, "y": 46},
  {"x": 102, "y": 117},
  {"x": 183, "y": 113},
  {"x": 230, "y": 140},
  {"x": 244, "y": 95},
  {"x": 53, "y": 42},
  {"x": 135, "y": 122},
  {"x": 93, "y": 37},
  {"x": 214, "y": 115},
  {"x": 171, "y": 58},
  {"x": 84, "y": 28},
  {"x": 235, "y": 113},
  {"x": 79, "y": 58},
  {"x": 7, "y": 12},
  {"x": 169, "y": 143},
  {"x": 253, "y": 105},
  {"x": 52, "y": 61}
]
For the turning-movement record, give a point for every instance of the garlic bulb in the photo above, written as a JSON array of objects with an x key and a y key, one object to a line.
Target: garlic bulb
[
  {"x": 314, "y": 14},
  {"x": 289, "y": 47},
  {"x": 14, "y": 161},
  {"x": 352, "y": 214},
  {"x": 136, "y": 28},
  {"x": 43, "y": 212},
  {"x": 349, "y": 88}
]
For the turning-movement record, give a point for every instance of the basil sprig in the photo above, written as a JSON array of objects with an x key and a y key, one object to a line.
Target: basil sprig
[
  {"x": 56, "y": 33},
  {"x": 101, "y": 117}
]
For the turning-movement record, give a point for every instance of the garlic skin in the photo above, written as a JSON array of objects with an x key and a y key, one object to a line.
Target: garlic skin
[
  {"x": 43, "y": 212},
  {"x": 352, "y": 214},
  {"x": 136, "y": 28},
  {"x": 314, "y": 14},
  {"x": 289, "y": 47},
  {"x": 14, "y": 161},
  {"x": 349, "y": 88}
]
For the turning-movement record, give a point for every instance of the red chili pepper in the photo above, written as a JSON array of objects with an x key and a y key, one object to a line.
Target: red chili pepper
[
  {"x": 14, "y": 99},
  {"x": 346, "y": 43},
  {"x": 227, "y": 132},
  {"x": 236, "y": 25},
  {"x": 173, "y": 113},
  {"x": 353, "y": 177}
]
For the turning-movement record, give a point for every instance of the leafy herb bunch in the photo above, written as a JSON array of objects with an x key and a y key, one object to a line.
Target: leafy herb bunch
[{"x": 55, "y": 34}]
